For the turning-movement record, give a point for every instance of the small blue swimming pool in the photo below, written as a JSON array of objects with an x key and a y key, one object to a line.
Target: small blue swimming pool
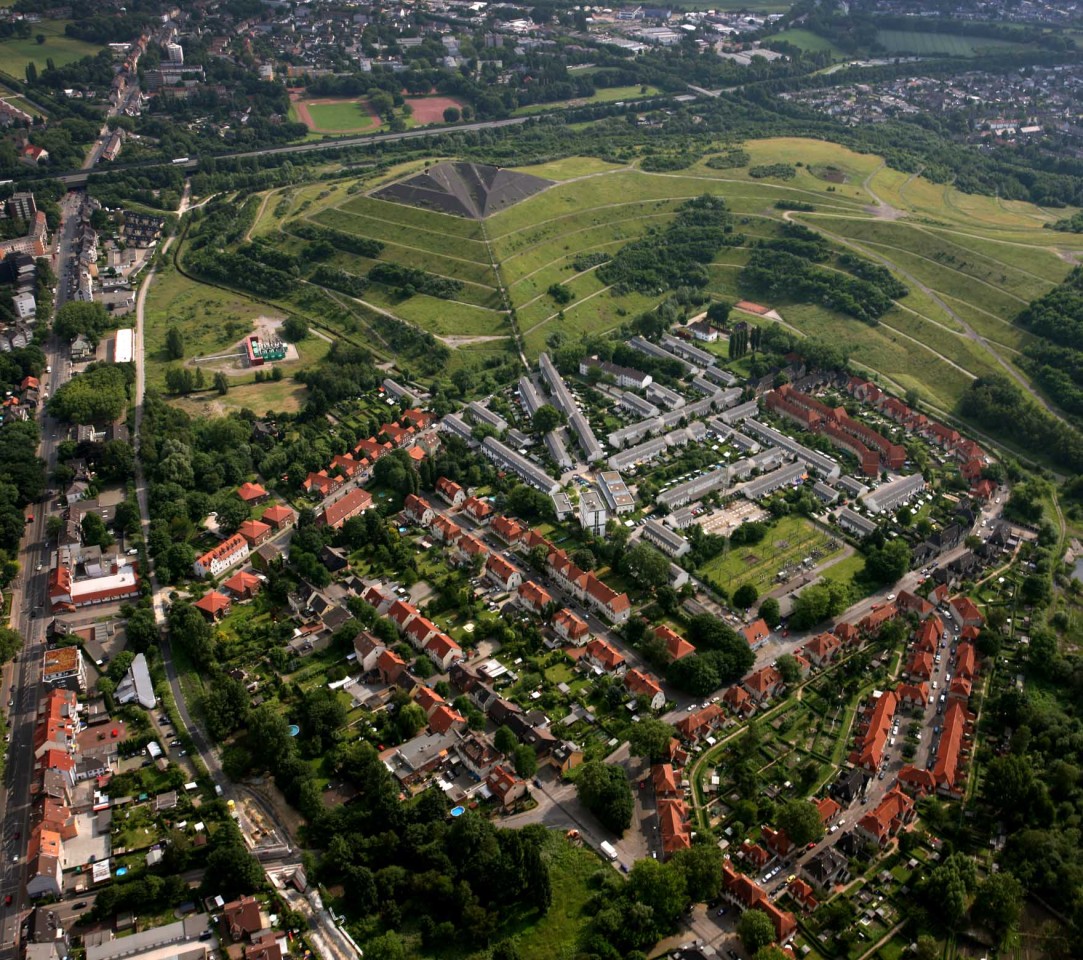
[
  {"x": 294, "y": 729},
  {"x": 458, "y": 811},
  {"x": 121, "y": 871}
]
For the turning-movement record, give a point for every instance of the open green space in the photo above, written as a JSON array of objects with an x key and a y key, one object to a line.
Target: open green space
[
  {"x": 925, "y": 44},
  {"x": 807, "y": 40},
  {"x": 350, "y": 116},
  {"x": 16, "y": 53}
]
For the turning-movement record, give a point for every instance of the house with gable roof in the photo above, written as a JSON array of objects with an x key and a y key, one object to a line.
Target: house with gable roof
[{"x": 642, "y": 684}]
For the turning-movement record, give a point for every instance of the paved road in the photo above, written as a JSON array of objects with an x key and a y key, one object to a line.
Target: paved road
[{"x": 21, "y": 685}]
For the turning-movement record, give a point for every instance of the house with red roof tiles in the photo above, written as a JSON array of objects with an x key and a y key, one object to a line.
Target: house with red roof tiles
[
  {"x": 909, "y": 602},
  {"x": 777, "y": 842},
  {"x": 346, "y": 507},
  {"x": 673, "y": 826},
  {"x": 428, "y": 699},
  {"x": 615, "y": 607},
  {"x": 345, "y": 465},
  {"x": 784, "y": 922},
  {"x": 401, "y": 613},
  {"x": 966, "y": 661},
  {"x": 891, "y": 814},
  {"x": 665, "y": 780},
  {"x": 255, "y": 532},
  {"x": 698, "y": 724},
  {"x": 444, "y": 530},
  {"x": 828, "y": 810},
  {"x": 228, "y": 553},
  {"x": 738, "y": 699},
  {"x": 500, "y": 571},
  {"x": 642, "y": 684},
  {"x": 920, "y": 665},
  {"x": 451, "y": 492},
  {"x": 243, "y": 586},
  {"x": 960, "y": 690},
  {"x": 468, "y": 547},
  {"x": 278, "y": 516},
  {"x": 756, "y": 633},
  {"x": 869, "y": 750},
  {"x": 912, "y": 694},
  {"x": 676, "y": 646},
  {"x": 939, "y": 594},
  {"x": 443, "y": 651},
  {"x": 444, "y": 718},
  {"x": 370, "y": 450},
  {"x": 477, "y": 508},
  {"x": 847, "y": 633},
  {"x": 871, "y": 623},
  {"x": 948, "y": 767},
  {"x": 802, "y": 892},
  {"x": 507, "y": 529},
  {"x": 533, "y": 597},
  {"x": 605, "y": 657},
  {"x": 983, "y": 489},
  {"x": 252, "y": 493},
  {"x": 421, "y": 419},
  {"x": 916, "y": 780},
  {"x": 397, "y": 435},
  {"x": 763, "y": 684},
  {"x": 570, "y": 627},
  {"x": 822, "y": 649},
  {"x": 505, "y": 786},
  {"x": 390, "y": 665},
  {"x": 966, "y": 612},
  {"x": 418, "y": 630},
  {"x": 929, "y": 634},
  {"x": 322, "y": 484},
  {"x": 213, "y": 605},
  {"x": 417, "y": 510},
  {"x": 374, "y": 596}
]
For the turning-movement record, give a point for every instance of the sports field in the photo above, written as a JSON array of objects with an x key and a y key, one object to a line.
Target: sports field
[
  {"x": 431, "y": 109},
  {"x": 970, "y": 262},
  {"x": 16, "y": 53},
  {"x": 807, "y": 40},
  {"x": 336, "y": 116},
  {"x": 924, "y": 44}
]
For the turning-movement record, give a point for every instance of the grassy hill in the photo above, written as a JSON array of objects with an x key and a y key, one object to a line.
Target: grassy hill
[{"x": 970, "y": 262}]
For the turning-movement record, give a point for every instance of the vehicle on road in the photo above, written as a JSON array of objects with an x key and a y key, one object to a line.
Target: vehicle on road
[
  {"x": 78, "y": 906},
  {"x": 608, "y": 850}
]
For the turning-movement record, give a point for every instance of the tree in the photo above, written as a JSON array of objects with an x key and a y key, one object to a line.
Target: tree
[
  {"x": 526, "y": 761},
  {"x": 744, "y": 596},
  {"x": 755, "y": 930},
  {"x": 801, "y": 821},
  {"x": 888, "y": 562},
  {"x": 81, "y": 317},
  {"x": 718, "y": 313},
  {"x": 221, "y": 383},
  {"x": 142, "y": 630},
  {"x": 97, "y": 396},
  {"x": 701, "y": 865},
  {"x": 231, "y": 870},
  {"x": 789, "y": 668},
  {"x": 770, "y": 612},
  {"x": 505, "y": 740},
  {"x": 605, "y": 791},
  {"x": 662, "y": 887},
  {"x": 225, "y": 706},
  {"x": 174, "y": 343},
  {"x": 546, "y": 418},
  {"x": 452, "y": 115},
  {"x": 650, "y": 738},
  {"x": 411, "y": 718},
  {"x": 294, "y": 329},
  {"x": 998, "y": 905},
  {"x": 11, "y": 642},
  {"x": 646, "y": 565},
  {"x": 94, "y": 532},
  {"x": 771, "y": 952}
]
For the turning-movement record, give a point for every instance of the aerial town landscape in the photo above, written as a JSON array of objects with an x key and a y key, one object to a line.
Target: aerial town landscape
[{"x": 497, "y": 481}]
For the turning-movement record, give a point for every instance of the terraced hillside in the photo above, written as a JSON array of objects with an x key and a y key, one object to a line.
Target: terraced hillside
[{"x": 970, "y": 263}]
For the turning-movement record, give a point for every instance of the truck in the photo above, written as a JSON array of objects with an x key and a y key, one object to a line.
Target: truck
[{"x": 608, "y": 850}]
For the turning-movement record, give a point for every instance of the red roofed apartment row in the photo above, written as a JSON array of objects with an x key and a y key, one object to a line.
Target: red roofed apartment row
[
  {"x": 947, "y": 775},
  {"x": 869, "y": 752},
  {"x": 698, "y": 725},
  {"x": 586, "y": 587},
  {"x": 676, "y": 646},
  {"x": 334, "y": 515},
  {"x": 892, "y": 813},
  {"x": 569, "y": 627}
]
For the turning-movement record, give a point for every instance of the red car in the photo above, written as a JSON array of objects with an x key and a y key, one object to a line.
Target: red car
[
  {"x": 812, "y": 845},
  {"x": 7, "y": 900}
]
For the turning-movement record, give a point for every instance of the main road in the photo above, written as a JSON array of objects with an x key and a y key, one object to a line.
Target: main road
[{"x": 21, "y": 685}]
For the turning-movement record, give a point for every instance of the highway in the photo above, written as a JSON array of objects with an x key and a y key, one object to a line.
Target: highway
[
  {"x": 22, "y": 684},
  {"x": 79, "y": 178}
]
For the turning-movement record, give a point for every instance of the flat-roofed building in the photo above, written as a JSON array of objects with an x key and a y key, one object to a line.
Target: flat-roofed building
[
  {"x": 615, "y": 492},
  {"x": 593, "y": 513}
]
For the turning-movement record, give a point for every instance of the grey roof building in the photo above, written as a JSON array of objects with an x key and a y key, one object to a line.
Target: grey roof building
[
  {"x": 669, "y": 541},
  {"x": 893, "y": 494},
  {"x": 527, "y": 471}
]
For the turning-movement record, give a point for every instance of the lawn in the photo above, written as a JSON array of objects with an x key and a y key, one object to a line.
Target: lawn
[
  {"x": 920, "y": 43},
  {"x": 283, "y": 396},
  {"x": 15, "y": 54},
  {"x": 807, "y": 40},
  {"x": 351, "y": 116}
]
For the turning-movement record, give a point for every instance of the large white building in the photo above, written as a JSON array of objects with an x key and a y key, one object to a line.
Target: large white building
[{"x": 124, "y": 346}]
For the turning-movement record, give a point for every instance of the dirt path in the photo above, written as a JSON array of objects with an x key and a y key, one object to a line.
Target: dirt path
[
  {"x": 258, "y": 217},
  {"x": 881, "y": 210},
  {"x": 454, "y": 341}
]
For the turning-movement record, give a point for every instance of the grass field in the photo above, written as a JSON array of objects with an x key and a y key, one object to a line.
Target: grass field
[
  {"x": 939, "y": 44},
  {"x": 604, "y": 95},
  {"x": 345, "y": 117},
  {"x": 807, "y": 40},
  {"x": 970, "y": 262},
  {"x": 212, "y": 321},
  {"x": 15, "y": 54}
]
